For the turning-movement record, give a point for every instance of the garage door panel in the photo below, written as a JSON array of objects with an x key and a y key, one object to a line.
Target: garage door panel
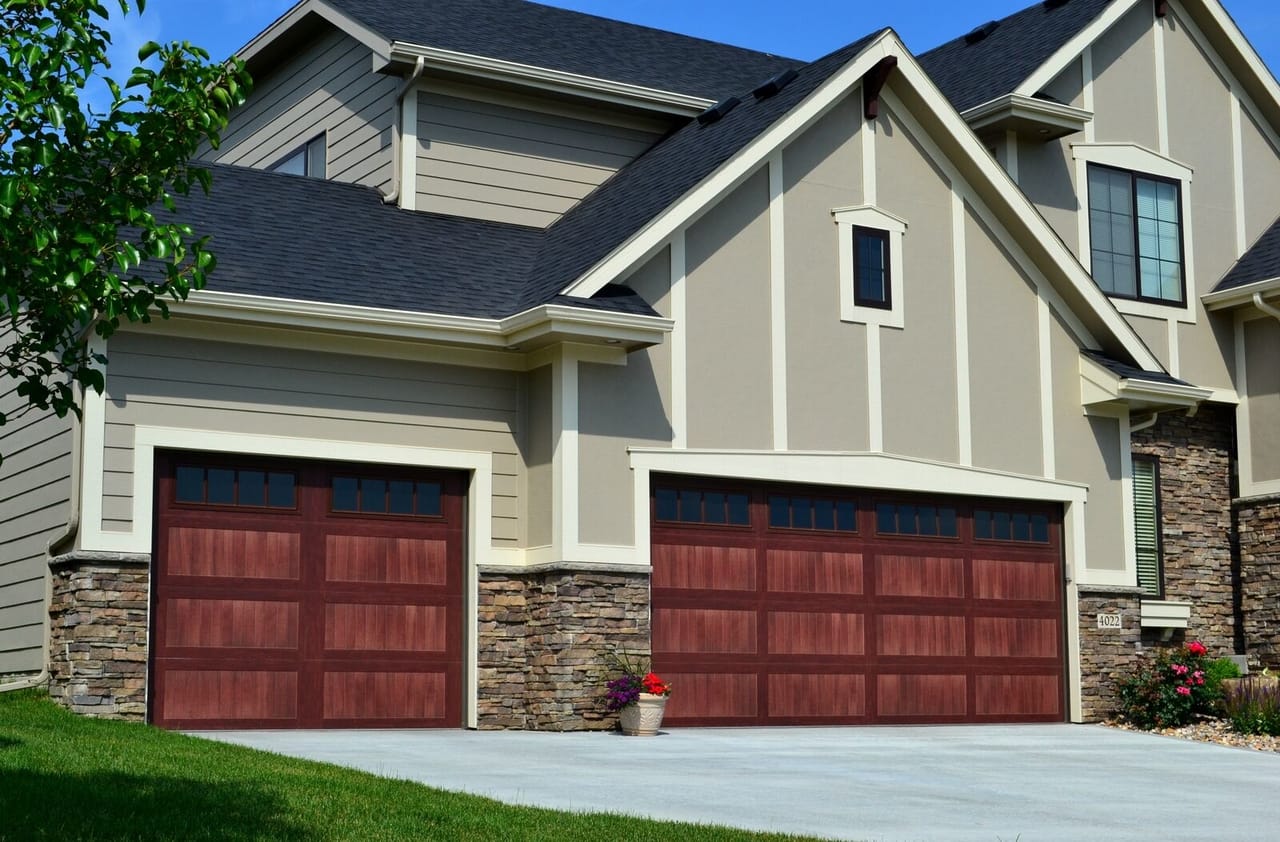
[
  {"x": 817, "y": 696},
  {"x": 704, "y": 567},
  {"x": 232, "y": 553},
  {"x": 814, "y": 572},
  {"x": 711, "y": 696},
  {"x": 813, "y": 633},
  {"x": 1018, "y": 695},
  {"x": 921, "y": 695},
  {"x": 695, "y": 631},
  {"x": 1016, "y": 637},
  {"x": 920, "y": 576},
  {"x": 923, "y": 635},
  {"x": 1031, "y": 581},
  {"x": 371, "y": 696},
  {"x": 231, "y": 623},
  {"x": 228, "y": 696},
  {"x": 389, "y": 628},
  {"x": 386, "y": 560}
]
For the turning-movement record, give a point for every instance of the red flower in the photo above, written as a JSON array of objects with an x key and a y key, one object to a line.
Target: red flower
[
  {"x": 1195, "y": 647},
  {"x": 655, "y": 686},
  {"x": 1184, "y": 691}
]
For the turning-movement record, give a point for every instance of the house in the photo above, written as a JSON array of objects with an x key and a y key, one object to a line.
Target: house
[{"x": 874, "y": 389}]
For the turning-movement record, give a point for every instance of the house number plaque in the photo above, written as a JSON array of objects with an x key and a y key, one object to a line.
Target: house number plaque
[{"x": 1109, "y": 621}]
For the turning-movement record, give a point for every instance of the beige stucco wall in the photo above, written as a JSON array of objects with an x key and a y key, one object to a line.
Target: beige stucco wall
[
  {"x": 1124, "y": 72},
  {"x": 539, "y": 445},
  {"x": 1262, "y": 187},
  {"x": 619, "y": 407},
  {"x": 1262, "y": 361},
  {"x": 205, "y": 385},
  {"x": 918, "y": 372},
  {"x": 1004, "y": 361},
  {"x": 727, "y": 306},
  {"x": 1154, "y": 333},
  {"x": 822, "y": 170}
]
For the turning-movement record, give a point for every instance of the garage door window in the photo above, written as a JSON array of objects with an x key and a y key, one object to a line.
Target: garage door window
[
  {"x": 912, "y": 519},
  {"x": 1010, "y": 526},
  {"x": 243, "y": 487},
  {"x": 691, "y": 505},
  {"x": 381, "y": 496},
  {"x": 813, "y": 513}
]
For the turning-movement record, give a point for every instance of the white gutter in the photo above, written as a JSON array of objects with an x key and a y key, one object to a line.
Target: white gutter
[
  {"x": 397, "y": 130},
  {"x": 1265, "y": 307},
  {"x": 1237, "y": 296}
]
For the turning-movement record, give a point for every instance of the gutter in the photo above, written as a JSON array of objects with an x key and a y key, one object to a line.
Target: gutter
[
  {"x": 1265, "y": 307},
  {"x": 397, "y": 130}
]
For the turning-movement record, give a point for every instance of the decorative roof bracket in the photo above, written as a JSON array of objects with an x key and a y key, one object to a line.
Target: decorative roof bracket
[{"x": 873, "y": 82}]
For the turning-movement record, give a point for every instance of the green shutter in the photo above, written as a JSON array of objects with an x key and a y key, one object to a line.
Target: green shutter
[{"x": 1146, "y": 526}]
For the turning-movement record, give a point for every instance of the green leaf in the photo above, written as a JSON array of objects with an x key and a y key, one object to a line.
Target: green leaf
[
  {"x": 8, "y": 192},
  {"x": 148, "y": 49}
]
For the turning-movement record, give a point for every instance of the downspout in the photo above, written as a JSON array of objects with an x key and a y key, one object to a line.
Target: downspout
[
  {"x": 55, "y": 546},
  {"x": 1144, "y": 424},
  {"x": 1265, "y": 307},
  {"x": 419, "y": 68}
]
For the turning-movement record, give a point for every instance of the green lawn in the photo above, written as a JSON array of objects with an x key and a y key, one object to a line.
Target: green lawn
[{"x": 69, "y": 778}]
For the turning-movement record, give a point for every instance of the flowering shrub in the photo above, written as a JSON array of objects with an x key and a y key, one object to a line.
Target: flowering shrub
[
  {"x": 636, "y": 678},
  {"x": 1253, "y": 706},
  {"x": 1169, "y": 689}
]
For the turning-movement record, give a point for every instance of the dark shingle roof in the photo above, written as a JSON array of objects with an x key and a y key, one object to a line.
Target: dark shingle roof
[
  {"x": 1130, "y": 372},
  {"x": 640, "y": 191},
  {"x": 971, "y": 74},
  {"x": 1260, "y": 263},
  {"x": 559, "y": 39}
]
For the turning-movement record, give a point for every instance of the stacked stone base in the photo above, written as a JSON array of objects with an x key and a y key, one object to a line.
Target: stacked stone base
[
  {"x": 98, "y": 635},
  {"x": 544, "y": 644},
  {"x": 1258, "y": 528}
]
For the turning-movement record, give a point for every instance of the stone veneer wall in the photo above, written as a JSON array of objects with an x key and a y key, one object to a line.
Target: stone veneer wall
[
  {"x": 1196, "y": 519},
  {"x": 98, "y": 641},
  {"x": 544, "y": 640},
  {"x": 1106, "y": 654},
  {"x": 1258, "y": 525}
]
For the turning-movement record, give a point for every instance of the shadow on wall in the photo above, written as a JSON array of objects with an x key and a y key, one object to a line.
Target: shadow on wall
[{"x": 109, "y": 807}]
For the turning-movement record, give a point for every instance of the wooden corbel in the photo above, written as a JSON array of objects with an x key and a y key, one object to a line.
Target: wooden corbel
[{"x": 873, "y": 82}]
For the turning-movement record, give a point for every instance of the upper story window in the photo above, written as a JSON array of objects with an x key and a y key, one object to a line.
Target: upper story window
[
  {"x": 308, "y": 160},
  {"x": 1135, "y": 231},
  {"x": 871, "y": 276}
]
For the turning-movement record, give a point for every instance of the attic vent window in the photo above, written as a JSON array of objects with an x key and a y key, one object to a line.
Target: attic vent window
[
  {"x": 1050, "y": 5},
  {"x": 774, "y": 84},
  {"x": 982, "y": 32},
  {"x": 717, "y": 112}
]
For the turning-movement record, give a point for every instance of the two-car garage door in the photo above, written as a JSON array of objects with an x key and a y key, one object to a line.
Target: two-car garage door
[
  {"x": 774, "y": 605},
  {"x": 305, "y": 595}
]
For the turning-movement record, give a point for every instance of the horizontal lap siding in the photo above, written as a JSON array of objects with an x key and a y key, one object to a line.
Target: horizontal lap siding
[
  {"x": 329, "y": 88},
  {"x": 211, "y": 385},
  {"x": 514, "y": 163},
  {"x": 35, "y": 501}
]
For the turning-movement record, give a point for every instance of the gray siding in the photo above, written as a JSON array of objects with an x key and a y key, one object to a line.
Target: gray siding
[
  {"x": 516, "y": 159},
  {"x": 35, "y": 502},
  {"x": 330, "y": 88},
  {"x": 180, "y": 383}
]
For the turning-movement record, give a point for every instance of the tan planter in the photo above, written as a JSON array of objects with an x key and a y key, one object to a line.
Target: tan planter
[{"x": 644, "y": 718}]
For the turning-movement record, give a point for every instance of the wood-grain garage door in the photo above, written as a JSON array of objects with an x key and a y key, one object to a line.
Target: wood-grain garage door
[
  {"x": 305, "y": 595},
  {"x": 775, "y": 605}
]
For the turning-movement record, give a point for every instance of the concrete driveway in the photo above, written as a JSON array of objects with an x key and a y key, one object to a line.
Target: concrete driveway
[{"x": 1030, "y": 783}]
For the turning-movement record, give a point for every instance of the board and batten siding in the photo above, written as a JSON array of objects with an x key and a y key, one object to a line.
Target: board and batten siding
[
  {"x": 35, "y": 502},
  {"x": 515, "y": 159},
  {"x": 329, "y": 89},
  {"x": 187, "y": 383}
]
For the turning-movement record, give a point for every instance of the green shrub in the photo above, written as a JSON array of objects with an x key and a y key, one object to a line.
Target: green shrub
[
  {"x": 1167, "y": 690},
  {"x": 1214, "y": 672},
  {"x": 1253, "y": 706}
]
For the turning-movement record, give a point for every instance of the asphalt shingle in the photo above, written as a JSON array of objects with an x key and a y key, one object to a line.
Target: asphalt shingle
[
  {"x": 1130, "y": 372},
  {"x": 1260, "y": 263},
  {"x": 559, "y": 39},
  {"x": 971, "y": 74}
]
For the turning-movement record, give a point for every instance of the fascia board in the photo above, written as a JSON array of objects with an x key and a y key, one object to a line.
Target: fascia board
[
  {"x": 559, "y": 81},
  {"x": 733, "y": 172},
  {"x": 1068, "y": 52},
  {"x": 1133, "y": 389},
  {"x": 1239, "y": 296},
  {"x": 1030, "y": 108},
  {"x": 282, "y": 24},
  {"x": 566, "y": 322}
]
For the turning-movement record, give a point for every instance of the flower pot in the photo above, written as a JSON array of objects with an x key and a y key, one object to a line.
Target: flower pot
[{"x": 644, "y": 717}]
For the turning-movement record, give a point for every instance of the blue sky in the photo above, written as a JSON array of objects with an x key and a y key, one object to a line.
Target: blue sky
[{"x": 802, "y": 29}]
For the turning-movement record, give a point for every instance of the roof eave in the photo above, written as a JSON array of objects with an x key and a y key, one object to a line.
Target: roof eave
[
  {"x": 547, "y": 79},
  {"x": 1101, "y": 388},
  {"x": 1241, "y": 296},
  {"x": 262, "y": 43},
  {"x": 1034, "y": 117}
]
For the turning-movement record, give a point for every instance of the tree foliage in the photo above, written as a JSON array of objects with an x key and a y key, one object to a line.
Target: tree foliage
[{"x": 88, "y": 238}]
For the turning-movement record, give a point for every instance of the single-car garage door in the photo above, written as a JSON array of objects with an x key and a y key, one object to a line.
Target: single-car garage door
[
  {"x": 305, "y": 595},
  {"x": 776, "y": 605}
]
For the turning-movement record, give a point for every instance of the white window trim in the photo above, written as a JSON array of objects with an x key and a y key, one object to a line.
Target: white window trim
[
  {"x": 866, "y": 216},
  {"x": 1141, "y": 161}
]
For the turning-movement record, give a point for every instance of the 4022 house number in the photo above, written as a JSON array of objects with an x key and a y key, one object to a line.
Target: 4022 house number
[{"x": 1110, "y": 621}]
